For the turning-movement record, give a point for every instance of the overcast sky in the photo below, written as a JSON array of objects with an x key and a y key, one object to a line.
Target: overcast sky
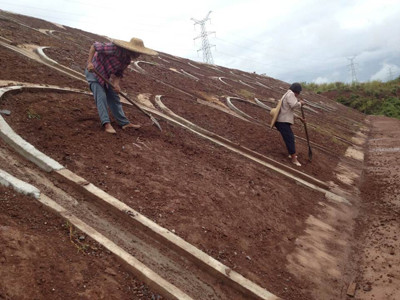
[{"x": 307, "y": 40}]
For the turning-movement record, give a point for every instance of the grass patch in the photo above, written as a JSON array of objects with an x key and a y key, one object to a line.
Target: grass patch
[
  {"x": 246, "y": 94},
  {"x": 32, "y": 114}
]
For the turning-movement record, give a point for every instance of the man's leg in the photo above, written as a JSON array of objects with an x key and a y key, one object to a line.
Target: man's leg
[
  {"x": 115, "y": 105},
  {"x": 100, "y": 97},
  {"x": 288, "y": 136}
]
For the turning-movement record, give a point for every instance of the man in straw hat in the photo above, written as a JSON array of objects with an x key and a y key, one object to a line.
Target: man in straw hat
[
  {"x": 283, "y": 118},
  {"x": 110, "y": 60}
]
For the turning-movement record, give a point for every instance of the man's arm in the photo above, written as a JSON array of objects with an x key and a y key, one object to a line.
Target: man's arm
[
  {"x": 295, "y": 102},
  {"x": 302, "y": 103},
  {"x": 90, "y": 66}
]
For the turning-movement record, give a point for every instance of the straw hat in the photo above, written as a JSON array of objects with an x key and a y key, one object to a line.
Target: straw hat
[
  {"x": 135, "y": 45},
  {"x": 274, "y": 113}
]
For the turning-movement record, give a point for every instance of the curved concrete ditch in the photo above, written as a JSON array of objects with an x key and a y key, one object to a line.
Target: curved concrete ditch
[
  {"x": 264, "y": 86},
  {"x": 261, "y": 104},
  {"x": 192, "y": 65},
  {"x": 189, "y": 75},
  {"x": 46, "y": 59},
  {"x": 181, "y": 72},
  {"x": 36, "y": 53},
  {"x": 164, "y": 60},
  {"x": 234, "y": 108},
  {"x": 139, "y": 69},
  {"x": 246, "y": 84}
]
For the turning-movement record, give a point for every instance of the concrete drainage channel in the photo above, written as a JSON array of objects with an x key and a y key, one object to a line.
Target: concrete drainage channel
[{"x": 168, "y": 264}]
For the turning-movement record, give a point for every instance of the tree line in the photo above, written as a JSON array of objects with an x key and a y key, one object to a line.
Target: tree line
[{"x": 372, "y": 98}]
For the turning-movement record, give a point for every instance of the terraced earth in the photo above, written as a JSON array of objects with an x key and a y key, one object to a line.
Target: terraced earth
[{"x": 216, "y": 176}]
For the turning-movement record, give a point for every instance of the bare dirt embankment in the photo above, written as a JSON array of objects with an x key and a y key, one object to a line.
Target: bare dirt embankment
[{"x": 251, "y": 218}]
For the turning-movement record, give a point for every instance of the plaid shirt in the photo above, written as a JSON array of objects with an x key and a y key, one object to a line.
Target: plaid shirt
[{"x": 110, "y": 59}]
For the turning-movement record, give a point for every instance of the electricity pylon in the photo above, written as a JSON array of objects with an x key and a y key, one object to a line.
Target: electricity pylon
[
  {"x": 205, "y": 45},
  {"x": 390, "y": 74},
  {"x": 353, "y": 70}
]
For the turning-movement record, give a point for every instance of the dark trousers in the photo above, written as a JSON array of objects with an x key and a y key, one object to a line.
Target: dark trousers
[{"x": 287, "y": 134}]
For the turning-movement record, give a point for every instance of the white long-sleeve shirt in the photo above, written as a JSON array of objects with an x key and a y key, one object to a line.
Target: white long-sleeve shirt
[{"x": 289, "y": 103}]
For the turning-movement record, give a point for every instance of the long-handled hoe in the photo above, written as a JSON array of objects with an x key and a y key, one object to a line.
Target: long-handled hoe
[{"x": 308, "y": 140}]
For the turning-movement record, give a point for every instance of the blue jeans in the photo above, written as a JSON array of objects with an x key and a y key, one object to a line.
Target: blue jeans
[
  {"x": 287, "y": 134},
  {"x": 105, "y": 98}
]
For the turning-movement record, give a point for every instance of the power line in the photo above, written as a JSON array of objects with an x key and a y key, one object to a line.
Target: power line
[{"x": 207, "y": 56}]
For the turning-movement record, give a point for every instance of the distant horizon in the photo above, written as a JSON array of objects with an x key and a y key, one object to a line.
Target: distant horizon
[{"x": 290, "y": 40}]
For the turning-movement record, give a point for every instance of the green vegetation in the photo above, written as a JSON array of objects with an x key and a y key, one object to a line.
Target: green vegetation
[
  {"x": 32, "y": 114},
  {"x": 246, "y": 94},
  {"x": 372, "y": 98}
]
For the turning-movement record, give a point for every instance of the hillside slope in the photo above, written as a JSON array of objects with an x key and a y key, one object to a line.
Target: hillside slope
[{"x": 216, "y": 175}]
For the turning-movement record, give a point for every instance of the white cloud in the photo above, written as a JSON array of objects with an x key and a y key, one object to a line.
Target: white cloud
[
  {"x": 387, "y": 72},
  {"x": 360, "y": 14},
  {"x": 320, "y": 80}
]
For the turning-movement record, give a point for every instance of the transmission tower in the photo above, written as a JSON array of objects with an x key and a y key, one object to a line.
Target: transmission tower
[
  {"x": 205, "y": 45},
  {"x": 390, "y": 74},
  {"x": 352, "y": 66}
]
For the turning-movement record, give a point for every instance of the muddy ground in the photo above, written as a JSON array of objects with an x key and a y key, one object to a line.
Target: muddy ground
[{"x": 241, "y": 213}]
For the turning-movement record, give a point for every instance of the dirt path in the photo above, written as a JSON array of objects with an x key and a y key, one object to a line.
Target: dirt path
[{"x": 378, "y": 225}]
